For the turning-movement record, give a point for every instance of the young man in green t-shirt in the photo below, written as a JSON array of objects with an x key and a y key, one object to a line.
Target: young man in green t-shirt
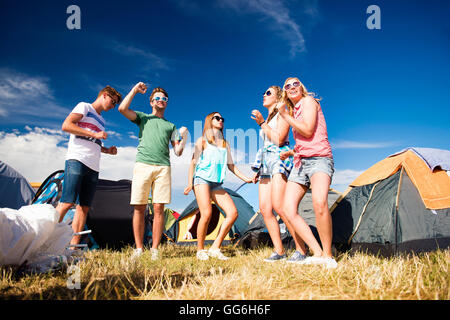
[{"x": 152, "y": 167}]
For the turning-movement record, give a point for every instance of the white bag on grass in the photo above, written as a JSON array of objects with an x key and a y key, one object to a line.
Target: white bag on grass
[{"x": 30, "y": 233}]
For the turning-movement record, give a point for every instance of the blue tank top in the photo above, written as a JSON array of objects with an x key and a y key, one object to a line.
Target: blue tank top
[{"x": 212, "y": 164}]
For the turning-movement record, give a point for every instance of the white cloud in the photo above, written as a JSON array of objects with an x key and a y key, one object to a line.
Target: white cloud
[
  {"x": 150, "y": 59},
  {"x": 342, "y": 178},
  {"x": 37, "y": 152},
  {"x": 280, "y": 18},
  {"x": 344, "y": 144},
  {"x": 24, "y": 95}
]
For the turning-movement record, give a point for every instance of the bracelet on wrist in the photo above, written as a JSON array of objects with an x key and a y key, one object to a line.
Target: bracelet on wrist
[{"x": 260, "y": 124}]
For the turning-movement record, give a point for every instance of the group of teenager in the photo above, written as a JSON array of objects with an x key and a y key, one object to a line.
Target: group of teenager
[{"x": 284, "y": 174}]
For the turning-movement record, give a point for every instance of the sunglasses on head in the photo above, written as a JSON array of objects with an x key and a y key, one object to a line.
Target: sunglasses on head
[
  {"x": 293, "y": 85},
  {"x": 219, "y": 118},
  {"x": 165, "y": 99},
  {"x": 267, "y": 93}
]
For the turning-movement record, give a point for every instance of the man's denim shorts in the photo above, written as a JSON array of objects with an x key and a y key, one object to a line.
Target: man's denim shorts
[
  {"x": 213, "y": 186},
  {"x": 80, "y": 183},
  {"x": 310, "y": 166}
]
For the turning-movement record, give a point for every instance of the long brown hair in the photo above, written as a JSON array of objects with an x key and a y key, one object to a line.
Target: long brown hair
[
  {"x": 208, "y": 130},
  {"x": 279, "y": 95}
]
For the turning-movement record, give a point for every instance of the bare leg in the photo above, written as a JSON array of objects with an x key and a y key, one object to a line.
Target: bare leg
[
  {"x": 294, "y": 194},
  {"x": 278, "y": 191},
  {"x": 202, "y": 194},
  {"x": 62, "y": 209},
  {"x": 265, "y": 207},
  {"x": 79, "y": 220},
  {"x": 223, "y": 199},
  {"x": 139, "y": 225},
  {"x": 320, "y": 184},
  {"x": 158, "y": 224}
]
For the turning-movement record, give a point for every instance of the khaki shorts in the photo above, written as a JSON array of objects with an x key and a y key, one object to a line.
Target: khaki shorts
[{"x": 146, "y": 177}]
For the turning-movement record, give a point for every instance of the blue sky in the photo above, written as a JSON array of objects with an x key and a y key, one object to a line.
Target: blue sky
[{"x": 382, "y": 90}]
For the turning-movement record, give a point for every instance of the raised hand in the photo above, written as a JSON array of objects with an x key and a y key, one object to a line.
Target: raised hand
[
  {"x": 257, "y": 116},
  {"x": 140, "y": 88}
]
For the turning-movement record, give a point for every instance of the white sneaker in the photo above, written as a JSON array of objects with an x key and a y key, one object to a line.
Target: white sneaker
[
  {"x": 154, "y": 254},
  {"x": 215, "y": 253},
  {"x": 311, "y": 260},
  {"x": 136, "y": 253},
  {"x": 330, "y": 263},
  {"x": 202, "y": 255}
]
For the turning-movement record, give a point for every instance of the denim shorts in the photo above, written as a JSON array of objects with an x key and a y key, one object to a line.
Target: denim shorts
[
  {"x": 213, "y": 186},
  {"x": 80, "y": 183},
  {"x": 310, "y": 166},
  {"x": 272, "y": 164}
]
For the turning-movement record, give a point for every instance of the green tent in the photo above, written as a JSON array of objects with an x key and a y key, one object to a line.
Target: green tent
[{"x": 399, "y": 204}]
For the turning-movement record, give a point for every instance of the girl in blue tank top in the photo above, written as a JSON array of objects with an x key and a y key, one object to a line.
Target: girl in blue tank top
[{"x": 207, "y": 172}]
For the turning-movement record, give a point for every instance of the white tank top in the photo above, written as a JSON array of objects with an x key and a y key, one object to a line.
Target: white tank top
[{"x": 273, "y": 124}]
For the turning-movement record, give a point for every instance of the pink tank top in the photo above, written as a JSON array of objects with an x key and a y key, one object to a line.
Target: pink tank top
[{"x": 315, "y": 146}]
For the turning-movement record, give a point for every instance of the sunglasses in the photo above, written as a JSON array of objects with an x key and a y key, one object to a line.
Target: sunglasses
[
  {"x": 267, "y": 93},
  {"x": 219, "y": 118},
  {"x": 114, "y": 101},
  {"x": 165, "y": 99},
  {"x": 293, "y": 85}
]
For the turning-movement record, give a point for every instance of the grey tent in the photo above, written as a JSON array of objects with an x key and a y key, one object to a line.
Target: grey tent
[
  {"x": 257, "y": 235},
  {"x": 400, "y": 204},
  {"x": 15, "y": 191}
]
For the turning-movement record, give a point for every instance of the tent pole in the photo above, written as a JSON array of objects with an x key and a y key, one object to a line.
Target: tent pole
[{"x": 396, "y": 209}]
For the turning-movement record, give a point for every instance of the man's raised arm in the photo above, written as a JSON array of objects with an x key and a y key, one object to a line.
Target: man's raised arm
[{"x": 124, "y": 106}]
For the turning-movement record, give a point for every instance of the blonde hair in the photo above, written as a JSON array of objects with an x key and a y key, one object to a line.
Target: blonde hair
[
  {"x": 305, "y": 93},
  {"x": 208, "y": 130}
]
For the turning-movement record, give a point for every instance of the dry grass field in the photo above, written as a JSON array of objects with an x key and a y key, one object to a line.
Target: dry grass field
[{"x": 113, "y": 275}]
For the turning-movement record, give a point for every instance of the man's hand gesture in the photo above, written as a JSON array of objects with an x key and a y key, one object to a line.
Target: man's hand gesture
[{"x": 140, "y": 88}]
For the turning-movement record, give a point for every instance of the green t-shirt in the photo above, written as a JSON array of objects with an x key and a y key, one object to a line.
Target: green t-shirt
[{"x": 154, "y": 137}]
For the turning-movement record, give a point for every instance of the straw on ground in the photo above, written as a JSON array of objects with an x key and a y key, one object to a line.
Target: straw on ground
[{"x": 107, "y": 274}]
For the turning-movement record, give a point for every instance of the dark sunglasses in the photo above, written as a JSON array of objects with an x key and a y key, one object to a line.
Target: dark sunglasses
[
  {"x": 219, "y": 118},
  {"x": 267, "y": 93},
  {"x": 293, "y": 85},
  {"x": 114, "y": 101}
]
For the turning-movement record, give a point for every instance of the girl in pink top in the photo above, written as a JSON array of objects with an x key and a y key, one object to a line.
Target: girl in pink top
[{"x": 313, "y": 166}]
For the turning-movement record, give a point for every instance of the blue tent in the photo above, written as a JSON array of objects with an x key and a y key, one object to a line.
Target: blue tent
[
  {"x": 15, "y": 191},
  {"x": 188, "y": 220}
]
